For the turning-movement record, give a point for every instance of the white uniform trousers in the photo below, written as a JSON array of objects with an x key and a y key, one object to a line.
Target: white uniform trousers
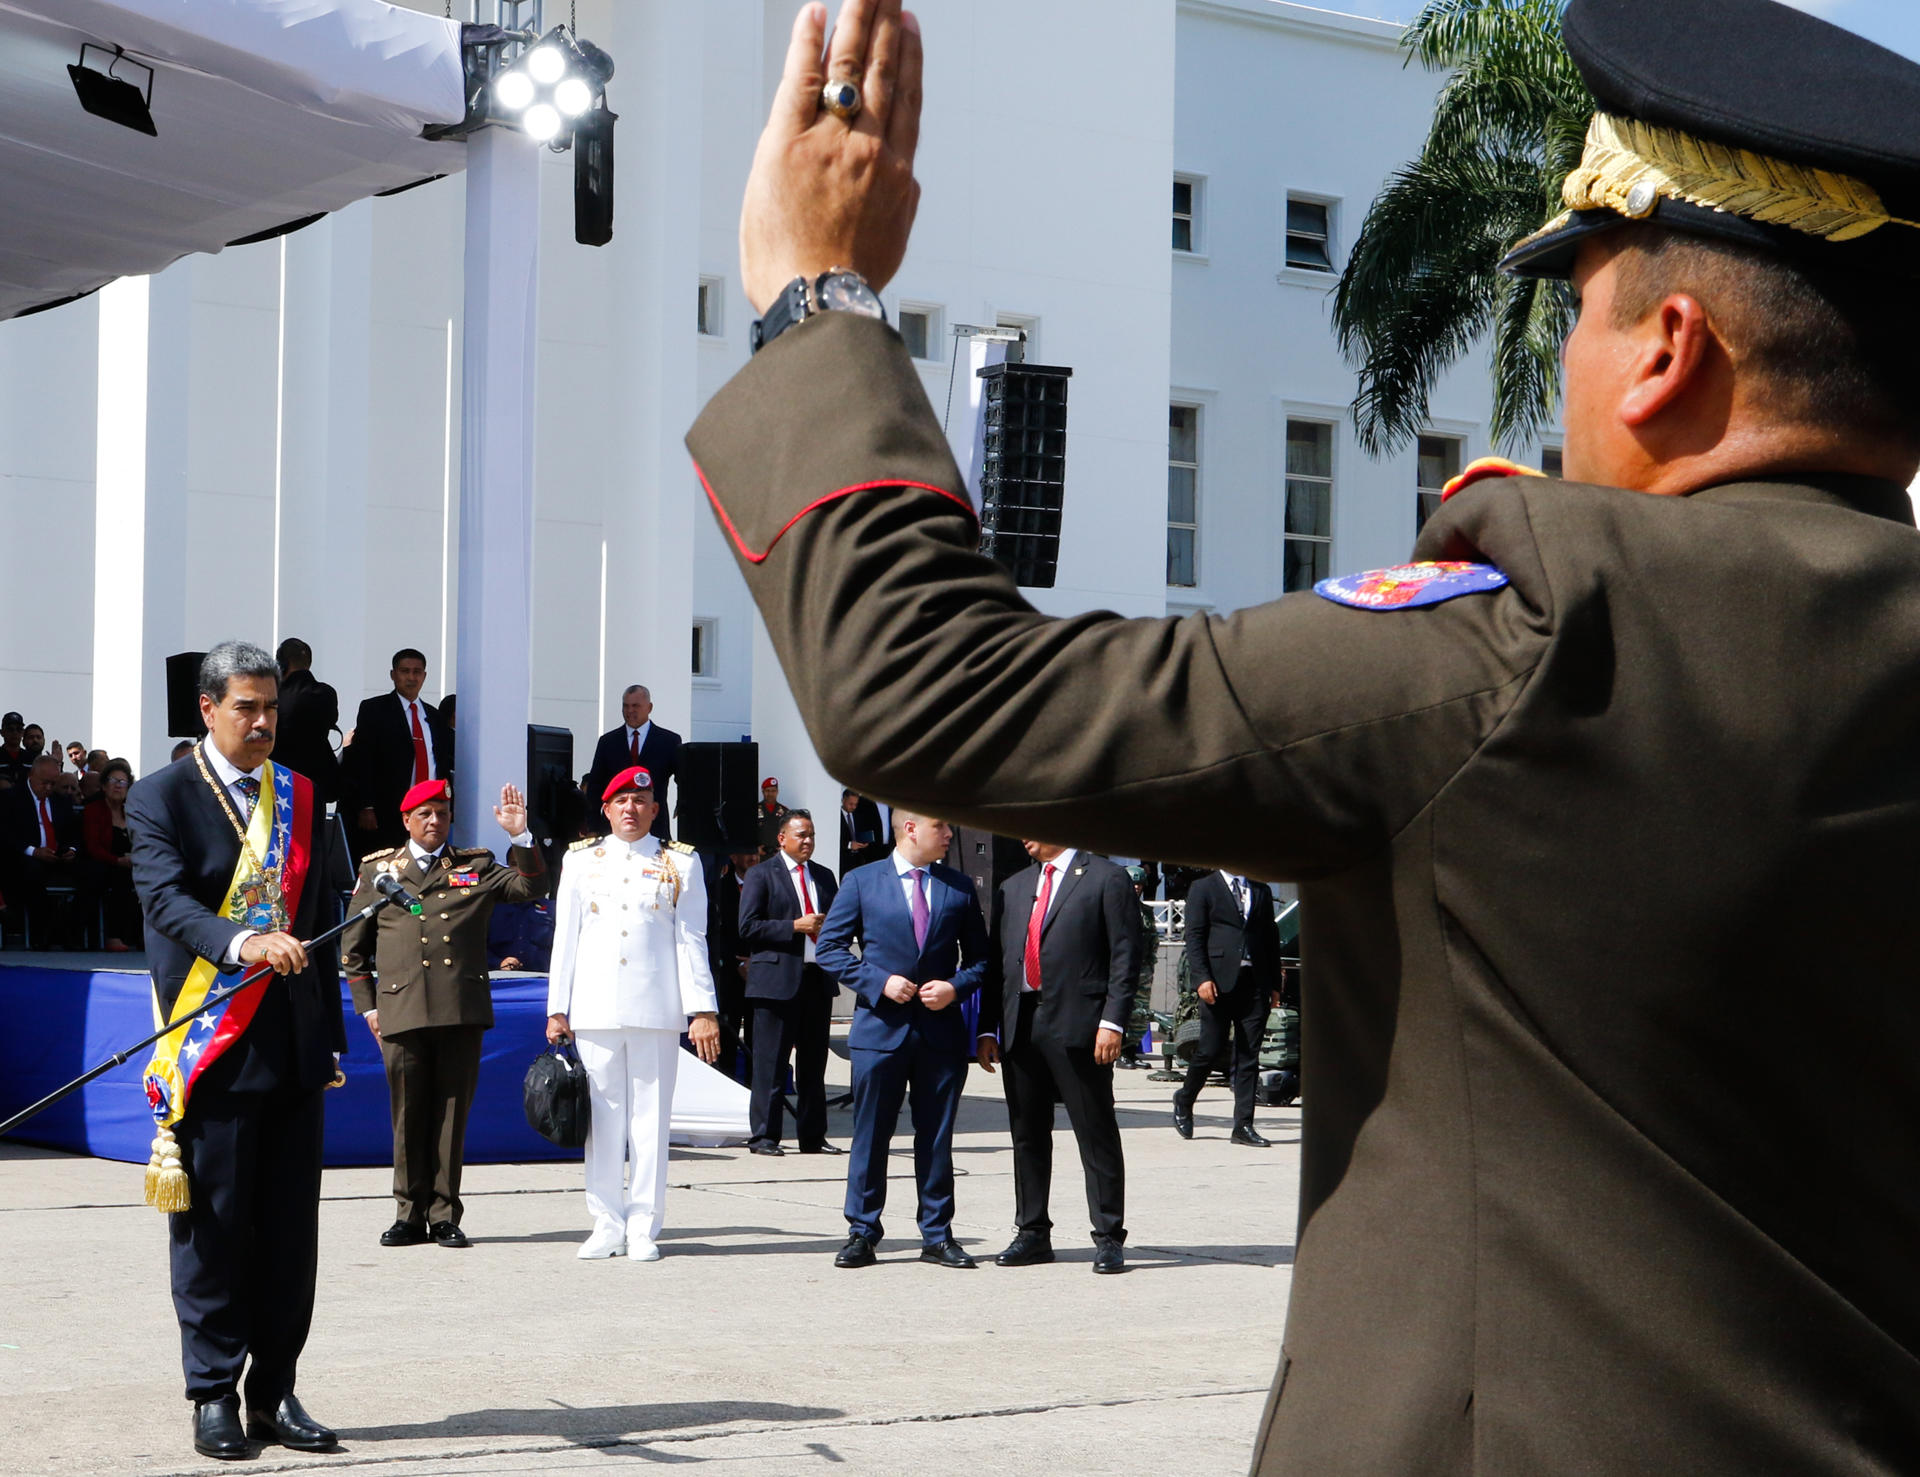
[{"x": 632, "y": 1072}]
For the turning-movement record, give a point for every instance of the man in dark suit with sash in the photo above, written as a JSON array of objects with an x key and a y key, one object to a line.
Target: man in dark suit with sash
[
  {"x": 923, "y": 950},
  {"x": 224, "y": 847}
]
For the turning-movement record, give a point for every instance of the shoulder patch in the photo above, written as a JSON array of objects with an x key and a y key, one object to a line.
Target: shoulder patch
[
  {"x": 584, "y": 842},
  {"x": 1429, "y": 582},
  {"x": 682, "y": 847}
]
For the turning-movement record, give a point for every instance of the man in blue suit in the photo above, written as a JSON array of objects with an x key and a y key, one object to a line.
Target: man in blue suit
[{"x": 923, "y": 949}]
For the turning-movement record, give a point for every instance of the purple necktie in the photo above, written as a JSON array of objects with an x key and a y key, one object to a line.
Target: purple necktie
[{"x": 921, "y": 917}]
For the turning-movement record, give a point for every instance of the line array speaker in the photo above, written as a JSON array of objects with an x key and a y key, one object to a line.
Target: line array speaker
[
  {"x": 719, "y": 797},
  {"x": 1023, "y": 468},
  {"x": 183, "y": 695}
]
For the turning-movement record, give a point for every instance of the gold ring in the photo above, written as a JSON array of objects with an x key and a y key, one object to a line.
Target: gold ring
[{"x": 842, "y": 99}]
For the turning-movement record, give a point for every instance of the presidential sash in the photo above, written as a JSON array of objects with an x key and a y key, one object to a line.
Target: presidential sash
[{"x": 263, "y": 895}]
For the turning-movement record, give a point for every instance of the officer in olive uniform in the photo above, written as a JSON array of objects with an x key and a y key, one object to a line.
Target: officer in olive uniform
[
  {"x": 422, "y": 985},
  {"x": 1619, "y": 776}
]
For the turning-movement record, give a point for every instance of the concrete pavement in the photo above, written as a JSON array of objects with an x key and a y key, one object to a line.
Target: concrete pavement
[{"x": 743, "y": 1347}]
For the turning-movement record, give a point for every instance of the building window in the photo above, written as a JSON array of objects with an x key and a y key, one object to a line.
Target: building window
[
  {"x": 1550, "y": 462},
  {"x": 1439, "y": 465},
  {"x": 920, "y": 330},
  {"x": 706, "y": 647},
  {"x": 1186, "y": 214},
  {"x": 712, "y": 323},
  {"x": 1309, "y": 234},
  {"x": 1307, "y": 544},
  {"x": 1183, "y": 494}
]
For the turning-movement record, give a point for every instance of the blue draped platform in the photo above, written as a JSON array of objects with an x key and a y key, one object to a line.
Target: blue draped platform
[{"x": 66, "y": 1021}]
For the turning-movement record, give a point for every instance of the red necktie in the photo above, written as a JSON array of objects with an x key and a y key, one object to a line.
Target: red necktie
[
  {"x": 1035, "y": 922},
  {"x": 46, "y": 824},
  {"x": 806, "y": 898},
  {"x": 421, "y": 767},
  {"x": 633, "y": 744}
]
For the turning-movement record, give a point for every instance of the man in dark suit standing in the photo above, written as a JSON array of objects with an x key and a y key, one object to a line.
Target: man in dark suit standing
[
  {"x": 398, "y": 742},
  {"x": 862, "y": 839},
  {"x": 1233, "y": 950},
  {"x": 783, "y": 903},
  {"x": 924, "y": 948},
  {"x": 39, "y": 839},
  {"x": 1054, "y": 1012},
  {"x": 220, "y": 840},
  {"x": 637, "y": 741},
  {"x": 309, "y": 712}
]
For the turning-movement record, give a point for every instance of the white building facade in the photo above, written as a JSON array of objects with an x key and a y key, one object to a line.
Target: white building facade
[{"x": 265, "y": 442}]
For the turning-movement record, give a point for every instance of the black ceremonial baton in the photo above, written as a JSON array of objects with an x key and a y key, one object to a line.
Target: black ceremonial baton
[{"x": 390, "y": 892}]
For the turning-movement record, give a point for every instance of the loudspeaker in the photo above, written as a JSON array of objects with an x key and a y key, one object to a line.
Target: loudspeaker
[
  {"x": 593, "y": 176},
  {"x": 553, "y": 800},
  {"x": 719, "y": 797},
  {"x": 1023, "y": 469},
  {"x": 183, "y": 695},
  {"x": 987, "y": 859}
]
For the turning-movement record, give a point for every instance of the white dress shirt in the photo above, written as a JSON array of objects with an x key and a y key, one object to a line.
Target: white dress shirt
[{"x": 811, "y": 895}]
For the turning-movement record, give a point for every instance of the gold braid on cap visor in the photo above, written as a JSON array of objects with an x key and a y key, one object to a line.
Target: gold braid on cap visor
[{"x": 1628, "y": 165}]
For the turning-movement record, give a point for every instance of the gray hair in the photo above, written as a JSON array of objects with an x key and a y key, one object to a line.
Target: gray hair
[
  {"x": 637, "y": 687},
  {"x": 232, "y": 659}
]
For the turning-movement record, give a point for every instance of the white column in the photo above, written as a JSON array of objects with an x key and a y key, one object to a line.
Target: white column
[
  {"x": 786, "y": 752},
  {"x": 496, "y": 475},
  {"x": 140, "y": 530},
  {"x": 320, "y": 491},
  {"x": 651, "y": 489}
]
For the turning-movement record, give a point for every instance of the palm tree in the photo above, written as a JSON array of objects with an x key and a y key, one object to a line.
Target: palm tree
[{"x": 1422, "y": 285}]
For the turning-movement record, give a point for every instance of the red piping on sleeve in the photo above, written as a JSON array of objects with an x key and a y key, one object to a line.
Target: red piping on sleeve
[{"x": 819, "y": 502}]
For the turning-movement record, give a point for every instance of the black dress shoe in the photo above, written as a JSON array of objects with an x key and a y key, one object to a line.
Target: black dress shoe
[
  {"x": 765, "y": 1149},
  {"x": 947, "y": 1254},
  {"x": 824, "y": 1149},
  {"x": 447, "y": 1234},
  {"x": 405, "y": 1233},
  {"x": 216, "y": 1430},
  {"x": 858, "y": 1252},
  {"x": 1249, "y": 1136},
  {"x": 1183, "y": 1121},
  {"x": 1028, "y": 1249},
  {"x": 1107, "y": 1257},
  {"x": 289, "y": 1425}
]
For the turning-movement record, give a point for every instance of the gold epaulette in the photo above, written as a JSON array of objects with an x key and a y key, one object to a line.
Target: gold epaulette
[
  {"x": 584, "y": 842},
  {"x": 681, "y": 846},
  {"x": 381, "y": 856},
  {"x": 474, "y": 853}
]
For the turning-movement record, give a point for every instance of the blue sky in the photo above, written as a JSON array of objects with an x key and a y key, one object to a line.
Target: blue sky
[{"x": 1895, "y": 24}]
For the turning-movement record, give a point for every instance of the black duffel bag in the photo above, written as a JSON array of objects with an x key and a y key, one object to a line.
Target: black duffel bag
[{"x": 558, "y": 1097}]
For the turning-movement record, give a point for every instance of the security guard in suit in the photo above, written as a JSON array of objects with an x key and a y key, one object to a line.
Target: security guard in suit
[
  {"x": 422, "y": 985},
  {"x": 1617, "y": 775}
]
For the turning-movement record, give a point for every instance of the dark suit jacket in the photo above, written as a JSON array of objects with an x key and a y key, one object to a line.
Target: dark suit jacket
[
  {"x": 378, "y": 767},
  {"x": 1089, "y": 954},
  {"x": 871, "y": 906},
  {"x": 20, "y": 827},
  {"x": 768, "y": 906},
  {"x": 1218, "y": 935},
  {"x": 184, "y": 851},
  {"x": 309, "y": 711},
  {"x": 659, "y": 756},
  {"x": 866, "y": 817},
  {"x": 1691, "y": 712}
]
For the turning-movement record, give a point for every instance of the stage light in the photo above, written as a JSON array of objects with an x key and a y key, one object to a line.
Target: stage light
[
  {"x": 572, "y": 97},
  {"x": 513, "y": 90},
  {"x": 112, "y": 97},
  {"x": 546, "y": 63},
  {"x": 542, "y": 122}
]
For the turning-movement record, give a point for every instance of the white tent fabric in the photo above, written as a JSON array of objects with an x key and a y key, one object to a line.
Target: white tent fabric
[
  {"x": 267, "y": 112},
  {"x": 709, "y": 1107}
]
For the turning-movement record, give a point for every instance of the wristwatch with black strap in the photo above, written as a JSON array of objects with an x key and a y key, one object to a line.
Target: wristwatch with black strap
[{"x": 834, "y": 290}]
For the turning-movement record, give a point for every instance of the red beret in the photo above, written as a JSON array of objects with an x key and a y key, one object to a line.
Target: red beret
[
  {"x": 769, "y": 781},
  {"x": 421, "y": 793},
  {"x": 635, "y": 778}
]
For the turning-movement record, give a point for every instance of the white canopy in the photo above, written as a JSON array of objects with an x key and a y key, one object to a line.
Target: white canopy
[{"x": 267, "y": 112}]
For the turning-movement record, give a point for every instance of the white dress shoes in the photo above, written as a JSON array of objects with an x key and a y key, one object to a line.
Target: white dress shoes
[
  {"x": 639, "y": 1249},
  {"x": 606, "y": 1241}
]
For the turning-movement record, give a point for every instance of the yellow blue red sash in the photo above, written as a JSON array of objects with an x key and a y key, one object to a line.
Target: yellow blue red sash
[{"x": 277, "y": 834}]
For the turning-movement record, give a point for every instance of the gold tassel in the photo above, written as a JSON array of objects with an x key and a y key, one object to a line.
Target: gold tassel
[{"x": 167, "y": 1189}]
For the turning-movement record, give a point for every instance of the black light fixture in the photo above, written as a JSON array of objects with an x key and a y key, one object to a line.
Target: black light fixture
[{"x": 107, "y": 95}]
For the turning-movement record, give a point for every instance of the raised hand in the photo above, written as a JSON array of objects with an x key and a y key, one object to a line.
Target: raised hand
[{"x": 511, "y": 812}]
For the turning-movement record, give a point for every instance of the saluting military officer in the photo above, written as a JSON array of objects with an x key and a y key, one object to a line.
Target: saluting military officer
[
  {"x": 629, "y": 969},
  {"x": 1563, "y": 1206},
  {"x": 421, "y": 984}
]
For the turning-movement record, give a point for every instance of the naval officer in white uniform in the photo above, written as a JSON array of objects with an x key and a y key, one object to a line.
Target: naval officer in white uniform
[{"x": 629, "y": 968}]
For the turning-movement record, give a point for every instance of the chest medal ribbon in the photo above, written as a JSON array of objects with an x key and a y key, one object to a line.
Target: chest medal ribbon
[{"x": 264, "y": 896}]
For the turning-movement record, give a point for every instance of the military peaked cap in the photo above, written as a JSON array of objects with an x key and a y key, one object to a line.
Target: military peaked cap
[{"x": 1745, "y": 120}]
